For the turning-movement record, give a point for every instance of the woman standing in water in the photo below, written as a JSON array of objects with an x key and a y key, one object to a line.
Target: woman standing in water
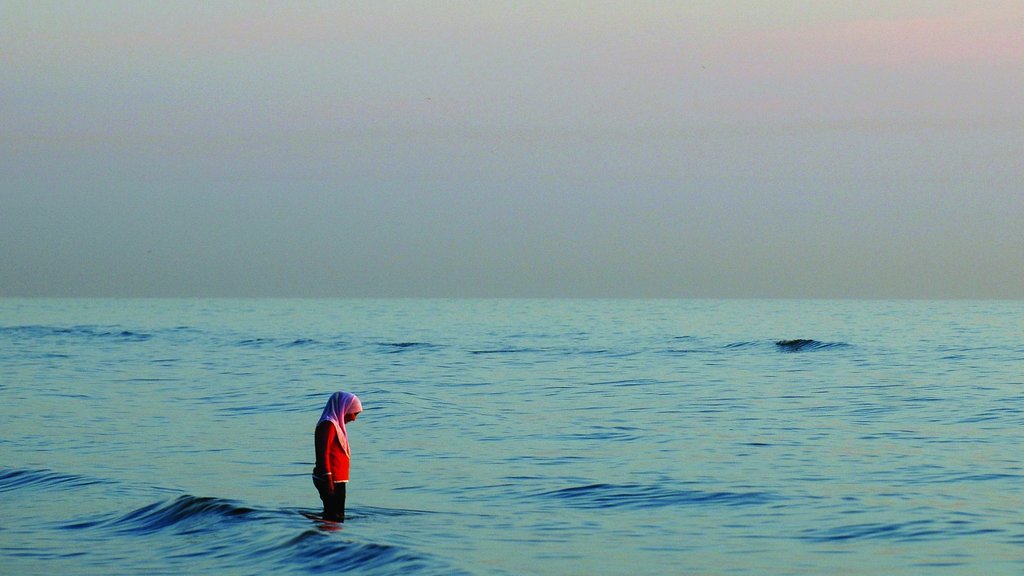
[{"x": 330, "y": 475}]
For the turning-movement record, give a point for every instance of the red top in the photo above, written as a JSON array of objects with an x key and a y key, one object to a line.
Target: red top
[{"x": 329, "y": 455}]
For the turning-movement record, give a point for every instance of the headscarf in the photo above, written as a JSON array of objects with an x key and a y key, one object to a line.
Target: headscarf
[{"x": 338, "y": 405}]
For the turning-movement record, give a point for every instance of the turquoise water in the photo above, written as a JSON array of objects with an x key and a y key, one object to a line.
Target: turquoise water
[{"x": 515, "y": 436}]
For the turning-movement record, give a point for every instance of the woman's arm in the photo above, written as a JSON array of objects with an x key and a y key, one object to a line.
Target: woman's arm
[
  {"x": 331, "y": 437},
  {"x": 325, "y": 434}
]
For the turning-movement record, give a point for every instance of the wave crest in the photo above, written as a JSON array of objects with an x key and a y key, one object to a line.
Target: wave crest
[{"x": 184, "y": 512}]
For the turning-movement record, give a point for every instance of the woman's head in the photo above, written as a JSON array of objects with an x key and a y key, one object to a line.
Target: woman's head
[{"x": 343, "y": 407}]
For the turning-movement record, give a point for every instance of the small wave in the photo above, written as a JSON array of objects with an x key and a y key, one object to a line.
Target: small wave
[
  {"x": 263, "y": 409},
  {"x": 317, "y": 552},
  {"x": 914, "y": 530},
  {"x": 627, "y": 383},
  {"x": 35, "y": 331},
  {"x": 617, "y": 433},
  {"x": 505, "y": 351},
  {"x": 370, "y": 511},
  {"x": 687, "y": 351},
  {"x": 11, "y": 480},
  {"x": 639, "y": 496},
  {"x": 735, "y": 345},
  {"x": 806, "y": 345},
  {"x": 260, "y": 343},
  {"x": 187, "y": 513},
  {"x": 992, "y": 477},
  {"x": 183, "y": 513},
  {"x": 38, "y": 331}
]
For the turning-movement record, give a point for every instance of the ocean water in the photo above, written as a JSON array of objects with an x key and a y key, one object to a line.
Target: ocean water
[{"x": 514, "y": 436}]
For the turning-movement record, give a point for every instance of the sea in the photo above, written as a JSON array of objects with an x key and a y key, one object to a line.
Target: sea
[{"x": 547, "y": 437}]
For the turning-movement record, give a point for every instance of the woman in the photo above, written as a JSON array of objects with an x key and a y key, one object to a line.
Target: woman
[{"x": 330, "y": 475}]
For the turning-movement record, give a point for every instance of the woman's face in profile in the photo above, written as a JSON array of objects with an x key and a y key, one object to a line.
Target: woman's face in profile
[{"x": 351, "y": 417}]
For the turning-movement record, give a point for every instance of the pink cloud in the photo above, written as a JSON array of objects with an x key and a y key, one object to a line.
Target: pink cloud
[{"x": 971, "y": 38}]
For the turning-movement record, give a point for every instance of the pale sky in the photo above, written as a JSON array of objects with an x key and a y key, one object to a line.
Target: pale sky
[{"x": 473, "y": 148}]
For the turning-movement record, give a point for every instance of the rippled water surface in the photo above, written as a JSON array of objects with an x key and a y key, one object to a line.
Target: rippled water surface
[{"x": 514, "y": 436}]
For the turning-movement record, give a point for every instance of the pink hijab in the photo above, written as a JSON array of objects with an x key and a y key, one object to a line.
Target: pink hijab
[{"x": 340, "y": 404}]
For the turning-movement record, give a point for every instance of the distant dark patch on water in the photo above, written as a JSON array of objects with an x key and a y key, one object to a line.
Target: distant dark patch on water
[
  {"x": 805, "y": 345},
  {"x": 128, "y": 335},
  {"x": 396, "y": 347},
  {"x": 255, "y": 342},
  {"x": 638, "y": 496}
]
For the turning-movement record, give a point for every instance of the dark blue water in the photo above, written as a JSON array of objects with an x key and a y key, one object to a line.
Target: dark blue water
[{"x": 514, "y": 436}]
